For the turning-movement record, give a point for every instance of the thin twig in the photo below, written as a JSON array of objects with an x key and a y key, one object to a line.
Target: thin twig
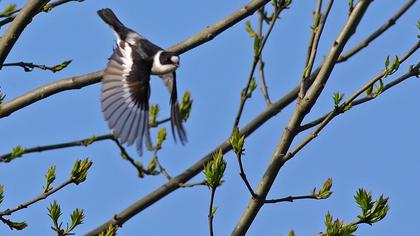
[
  {"x": 292, "y": 198},
  {"x": 261, "y": 63},
  {"x": 351, "y": 100},
  {"x": 36, "y": 199},
  {"x": 364, "y": 43},
  {"x": 83, "y": 142},
  {"x": 29, "y": 66},
  {"x": 318, "y": 27},
  {"x": 210, "y": 215},
  {"x": 162, "y": 170},
  {"x": 243, "y": 176},
  {"x": 244, "y": 95}
]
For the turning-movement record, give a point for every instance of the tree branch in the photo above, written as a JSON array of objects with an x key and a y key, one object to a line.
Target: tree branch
[
  {"x": 302, "y": 109},
  {"x": 264, "y": 89},
  {"x": 292, "y": 198},
  {"x": 364, "y": 43},
  {"x": 12, "y": 34},
  {"x": 36, "y": 199}
]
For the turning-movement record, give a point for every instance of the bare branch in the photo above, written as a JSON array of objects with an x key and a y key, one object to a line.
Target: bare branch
[
  {"x": 292, "y": 198},
  {"x": 261, "y": 16},
  {"x": 390, "y": 22},
  {"x": 29, "y": 66},
  {"x": 317, "y": 28},
  {"x": 45, "y": 91},
  {"x": 36, "y": 199}
]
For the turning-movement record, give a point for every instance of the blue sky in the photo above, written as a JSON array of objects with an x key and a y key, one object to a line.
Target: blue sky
[{"x": 374, "y": 146}]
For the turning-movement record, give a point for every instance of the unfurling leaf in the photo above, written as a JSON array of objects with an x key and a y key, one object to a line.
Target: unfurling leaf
[
  {"x": 54, "y": 212},
  {"x": 50, "y": 177},
  {"x": 154, "y": 111},
  {"x": 257, "y": 45},
  {"x": 379, "y": 89},
  {"x": 214, "y": 170},
  {"x": 372, "y": 211},
  {"x": 186, "y": 105},
  {"x": 338, "y": 97},
  {"x": 8, "y": 10},
  {"x": 291, "y": 233},
  {"x": 17, "y": 151},
  {"x": 391, "y": 69},
  {"x": 249, "y": 29},
  {"x": 15, "y": 225},
  {"x": 77, "y": 217},
  {"x": 325, "y": 191},
  {"x": 252, "y": 87},
  {"x": 61, "y": 66},
  {"x": 338, "y": 227},
  {"x": 89, "y": 141},
  {"x": 110, "y": 231},
  {"x": 161, "y": 137},
  {"x": 80, "y": 169},
  {"x": 237, "y": 141}
]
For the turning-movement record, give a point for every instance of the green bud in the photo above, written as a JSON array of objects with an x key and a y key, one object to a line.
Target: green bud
[
  {"x": 214, "y": 170},
  {"x": 50, "y": 177},
  {"x": 80, "y": 169},
  {"x": 161, "y": 137},
  {"x": 154, "y": 111},
  {"x": 186, "y": 105},
  {"x": 61, "y": 66},
  {"x": 17, "y": 151},
  {"x": 237, "y": 141},
  {"x": 338, "y": 97},
  {"x": 88, "y": 141}
]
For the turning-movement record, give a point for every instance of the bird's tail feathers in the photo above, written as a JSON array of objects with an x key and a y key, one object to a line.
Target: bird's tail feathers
[{"x": 108, "y": 16}]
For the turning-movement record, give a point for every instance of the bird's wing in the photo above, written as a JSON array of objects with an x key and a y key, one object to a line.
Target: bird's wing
[
  {"x": 176, "y": 116},
  {"x": 125, "y": 96}
]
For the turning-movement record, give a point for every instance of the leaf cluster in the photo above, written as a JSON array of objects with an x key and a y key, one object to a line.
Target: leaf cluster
[
  {"x": 325, "y": 192},
  {"x": 338, "y": 227},
  {"x": 372, "y": 211},
  {"x": 214, "y": 170},
  {"x": 54, "y": 212},
  {"x": 186, "y": 105},
  {"x": 237, "y": 141},
  {"x": 80, "y": 169}
]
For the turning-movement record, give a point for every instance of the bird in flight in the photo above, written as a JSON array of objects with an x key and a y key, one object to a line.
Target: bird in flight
[{"x": 126, "y": 85}]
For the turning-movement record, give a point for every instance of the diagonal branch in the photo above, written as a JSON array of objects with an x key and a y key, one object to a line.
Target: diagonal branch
[
  {"x": 9, "y": 38},
  {"x": 390, "y": 22}
]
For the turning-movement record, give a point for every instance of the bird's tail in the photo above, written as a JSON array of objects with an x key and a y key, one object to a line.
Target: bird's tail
[{"x": 111, "y": 19}]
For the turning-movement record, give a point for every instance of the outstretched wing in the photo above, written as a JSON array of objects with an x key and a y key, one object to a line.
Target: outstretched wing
[
  {"x": 176, "y": 116},
  {"x": 125, "y": 96}
]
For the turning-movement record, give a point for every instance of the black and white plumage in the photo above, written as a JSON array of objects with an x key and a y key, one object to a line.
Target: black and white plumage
[{"x": 126, "y": 87}]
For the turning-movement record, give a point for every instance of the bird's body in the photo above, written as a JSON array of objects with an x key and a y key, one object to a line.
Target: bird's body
[{"x": 126, "y": 85}]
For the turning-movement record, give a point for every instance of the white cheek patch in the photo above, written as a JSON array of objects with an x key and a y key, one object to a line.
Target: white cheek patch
[{"x": 158, "y": 68}]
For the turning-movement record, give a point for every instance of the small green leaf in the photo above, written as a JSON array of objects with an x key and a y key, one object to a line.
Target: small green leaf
[
  {"x": 186, "y": 105},
  {"x": 88, "y": 141},
  {"x": 17, "y": 151},
  {"x": 379, "y": 89},
  {"x": 325, "y": 191},
  {"x": 50, "y": 177},
  {"x": 8, "y": 10},
  {"x": 364, "y": 200},
  {"x": 54, "y": 212},
  {"x": 61, "y": 66},
  {"x": 252, "y": 87},
  {"x": 257, "y": 45},
  {"x": 348, "y": 106},
  {"x": 237, "y": 141},
  {"x": 154, "y": 111},
  {"x": 15, "y": 225},
  {"x": 80, "y": 169},
  {"x": 291, "y": 233},
  {"x": 214, "y": 170},
  {"x": 213, "y": 212},
  {"x": 338, "y": 97},
  {"x": 77, "y": 217},
  {"x": 249, "y": 29},
  {"x": 152, "y": 165},
  {"x": 110, "y": 231},
  {"x": 161, "y": 137}
]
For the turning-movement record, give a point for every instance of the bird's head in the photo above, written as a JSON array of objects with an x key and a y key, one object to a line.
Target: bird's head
[
  {"x": 164, "y": 62},
  {"x": 169, "y": 58}
]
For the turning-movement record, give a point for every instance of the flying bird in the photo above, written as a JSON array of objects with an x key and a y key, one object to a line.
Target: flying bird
[{"x": 126, "y": 85}]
